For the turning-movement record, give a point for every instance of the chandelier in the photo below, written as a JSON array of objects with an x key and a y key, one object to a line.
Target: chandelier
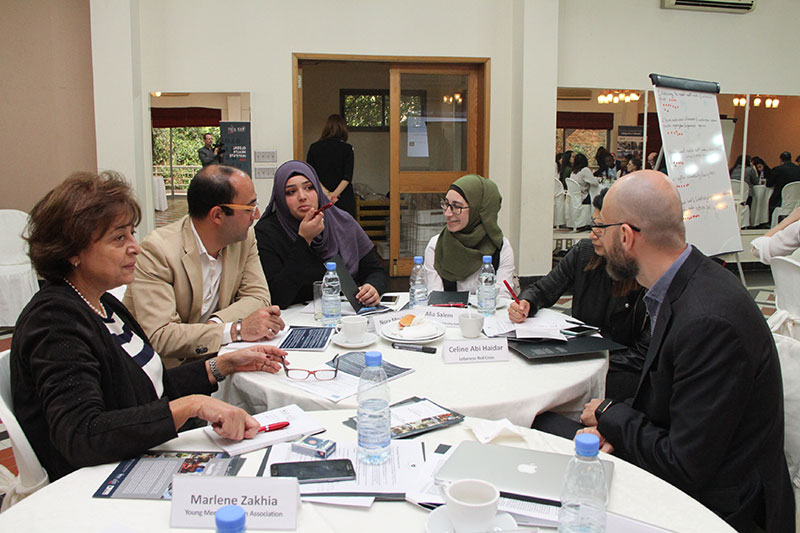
[
  {"x": 770, "y": 102},
  {"x": 615, "y": 97}
]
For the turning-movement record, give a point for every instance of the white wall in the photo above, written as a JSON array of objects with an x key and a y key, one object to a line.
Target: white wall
[
  {"x": 534, "y": 46},
  {"x": 234, "y": 106}
]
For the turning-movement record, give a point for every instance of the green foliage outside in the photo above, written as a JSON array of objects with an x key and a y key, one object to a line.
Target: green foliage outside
[
  {"x": 186, "y": 141},
  {"x": 370, "y": 110}
]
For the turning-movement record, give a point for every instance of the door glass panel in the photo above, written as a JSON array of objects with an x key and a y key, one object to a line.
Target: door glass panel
[
  {"x": 421, "y": 218},
  {"x": 433, "y": 117}
]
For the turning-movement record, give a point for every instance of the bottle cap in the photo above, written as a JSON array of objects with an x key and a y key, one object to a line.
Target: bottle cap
[
  {"x": 230, "y": 518},
  {"x": 330, "y": 265},
  {"x": 587, "y": 444},
  {"x": 487, "y": 258},
  {"x": 372, "y": 358},
  {"x": 417, "y": 259}
]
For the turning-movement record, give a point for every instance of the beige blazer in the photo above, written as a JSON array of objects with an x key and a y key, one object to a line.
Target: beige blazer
[{"x": 167, "y": 293}]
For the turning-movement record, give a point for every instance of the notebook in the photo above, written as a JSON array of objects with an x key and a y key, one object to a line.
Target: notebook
[
  {"x": 517, "y": 472},
  {"x": 578, "y": 346}
]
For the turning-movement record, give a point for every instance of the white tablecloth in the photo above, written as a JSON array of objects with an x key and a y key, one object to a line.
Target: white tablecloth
[
  {"x": 159, "y": 193},
  {"x": 515, "y": 389},
  {"x": 67, "y": 505},
  {"x": 759, "y": 210}
]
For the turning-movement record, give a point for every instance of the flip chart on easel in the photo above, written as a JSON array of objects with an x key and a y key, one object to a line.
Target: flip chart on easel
[{"x": 694, "y": 149}]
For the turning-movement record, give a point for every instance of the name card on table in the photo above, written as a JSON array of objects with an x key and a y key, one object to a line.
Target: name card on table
[
  {"x": 269, "y": 503},
  {"x": 476, "y": 350},
  {"x": 446, "y": 315},
  {"x": 379, "y": 321}
]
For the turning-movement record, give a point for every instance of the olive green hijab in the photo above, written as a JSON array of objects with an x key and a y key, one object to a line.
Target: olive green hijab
[{"x": 459, "y": 254}]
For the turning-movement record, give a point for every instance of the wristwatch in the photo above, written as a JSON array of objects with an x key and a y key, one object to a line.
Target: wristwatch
[
  {"x": 602, "y": 408},
  {"x": 239, "y": 330},
  {"x": 212, "y": 364}
]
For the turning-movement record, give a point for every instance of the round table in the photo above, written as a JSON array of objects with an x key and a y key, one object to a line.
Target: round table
[
  {"x": 517, "y": 389},
  {"x": 67, "y": 505}
]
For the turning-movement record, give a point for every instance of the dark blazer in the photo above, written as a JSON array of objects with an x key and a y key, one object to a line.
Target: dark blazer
[
  {"x": 333, "y": 160},
  {"x": 778, "y": 178},
  {"x": 79, "y": 397},
  {"x": 622, "y": 319},
  {"x": 292, "y": 267},
  {"x": 708, "y": 414}
]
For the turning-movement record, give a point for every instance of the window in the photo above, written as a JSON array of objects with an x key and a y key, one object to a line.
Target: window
[
  {"x": 584, "y": 141},
  {"x": 368, "y": 109}
]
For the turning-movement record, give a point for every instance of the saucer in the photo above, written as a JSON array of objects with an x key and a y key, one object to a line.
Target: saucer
[
  {"x": 339, "y": 340},
  {"x": 438, "y": 522}
]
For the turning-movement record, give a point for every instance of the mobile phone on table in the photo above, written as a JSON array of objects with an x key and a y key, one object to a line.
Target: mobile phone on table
[
  {"x": 389, "y": 298},
  {"x": 315, "y": 471},
  {"x": 579, "y": 331}
]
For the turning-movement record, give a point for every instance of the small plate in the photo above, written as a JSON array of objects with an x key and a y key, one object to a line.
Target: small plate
[
  {"x": 339, "y": 340},
  {"x": 438, "y": 522},
  {"x": 391, "y": 332}
]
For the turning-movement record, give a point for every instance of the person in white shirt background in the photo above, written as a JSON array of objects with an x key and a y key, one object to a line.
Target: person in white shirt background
[{"x": 783, "y": 239}]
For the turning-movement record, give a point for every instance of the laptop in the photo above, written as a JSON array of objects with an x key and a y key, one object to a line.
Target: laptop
[
  {"x": 518, "y": 473},
  {"x": 350, "y": 289}
]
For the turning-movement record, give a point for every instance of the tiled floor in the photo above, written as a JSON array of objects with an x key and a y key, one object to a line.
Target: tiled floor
[{"x": 176, "y": 208}]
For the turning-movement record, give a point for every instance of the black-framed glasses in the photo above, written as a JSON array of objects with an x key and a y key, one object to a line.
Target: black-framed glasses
[
  {"x": 323, "y": 374},
  {"x": 599, "y": 229},
  {"x": 455, "y": 209}
]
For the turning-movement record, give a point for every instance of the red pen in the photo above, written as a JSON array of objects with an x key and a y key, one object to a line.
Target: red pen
[
  {"x": 511, "y": 291},
  {"x": 323, "y": 208},
  {"x": 273, "y": 427}
]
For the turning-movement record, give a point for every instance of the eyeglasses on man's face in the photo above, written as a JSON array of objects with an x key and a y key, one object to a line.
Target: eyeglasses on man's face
[
  {"x": 455, "y": 209},
  {"x": 598, "y": 228},
  {"x": 323, "y": 374},
  {"x": 243, "y": 207}
]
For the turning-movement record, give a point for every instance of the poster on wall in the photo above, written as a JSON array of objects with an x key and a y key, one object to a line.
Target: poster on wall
[
  {"x": 236, "y": 138},
  {"x": 629, "y": 141}
]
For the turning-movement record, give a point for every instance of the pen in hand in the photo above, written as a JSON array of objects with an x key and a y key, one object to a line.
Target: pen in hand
[
  {"x": 272, "y": 427},
  {"x": 511, "y": 292}
]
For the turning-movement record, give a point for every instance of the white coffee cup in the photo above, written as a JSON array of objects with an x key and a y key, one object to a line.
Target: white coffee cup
[
  {"x": 354, "y": 328},
  {"x": 471, "y": 505},
  {"x": 471, "y": 324}
]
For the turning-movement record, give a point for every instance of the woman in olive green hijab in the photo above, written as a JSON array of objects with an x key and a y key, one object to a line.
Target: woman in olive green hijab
[{"x": 453, "y": 258}]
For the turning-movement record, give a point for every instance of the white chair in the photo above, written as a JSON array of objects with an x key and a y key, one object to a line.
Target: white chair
[
  {"x": 17, "y": 277},
  {"x": 790, "y": 198},
  {"x": 739, "y": 197},
  {"x": 578, "y": 213},
  {"x": 789, "y": 355},
  {"x": 32, "y": 476},
  {"x": 559, "y": 196},
  {"x": 786, "y": 319}
]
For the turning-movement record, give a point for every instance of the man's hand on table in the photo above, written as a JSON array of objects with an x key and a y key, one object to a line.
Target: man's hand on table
[
  {"x": 587, "y": 416},
  {"x": 263, "y": 323},
  {"x": 605, "y": 446},
  {"x": 259, "y": 358}
]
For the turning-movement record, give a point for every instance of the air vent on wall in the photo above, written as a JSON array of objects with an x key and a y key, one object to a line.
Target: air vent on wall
[
  {"x": 574, "y": 94},
  {"x": 725, "y": 6}
]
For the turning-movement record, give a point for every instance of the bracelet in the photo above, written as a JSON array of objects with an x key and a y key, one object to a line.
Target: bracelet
[
  {"x": 239, "y": 330},
  {"x": 212, "y": 364},
  {"x": 602, "y": 408}
]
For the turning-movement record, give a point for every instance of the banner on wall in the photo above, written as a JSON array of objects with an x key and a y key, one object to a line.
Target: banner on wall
[
  {"x": 236, "y": 138},
  {"x": 630, "y": 141}
]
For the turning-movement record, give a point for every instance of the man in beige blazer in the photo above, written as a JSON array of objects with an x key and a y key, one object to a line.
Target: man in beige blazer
[{"x": 199, "y": 282}]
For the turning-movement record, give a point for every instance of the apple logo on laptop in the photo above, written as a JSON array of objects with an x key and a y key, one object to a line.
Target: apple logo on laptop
[{"x": 527, "y": 468}]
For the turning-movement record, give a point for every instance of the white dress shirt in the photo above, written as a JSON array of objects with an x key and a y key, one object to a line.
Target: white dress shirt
[
  {"x": 212, "y": 272},
  {"x": 784, "y": 242}
]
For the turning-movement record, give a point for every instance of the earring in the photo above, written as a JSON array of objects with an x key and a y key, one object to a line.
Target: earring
[{"x": 75, "y": 264}]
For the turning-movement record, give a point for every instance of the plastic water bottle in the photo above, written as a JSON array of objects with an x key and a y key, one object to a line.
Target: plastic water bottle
[
  {"x": 487, "y": 293},
  {"x": 584, "y": 494},
  {"x": 230, "y": 519},
  {"x": 418, "y": 287},
  {"x": 374, "y": 430},
  {"x": 331, "y": 305}
]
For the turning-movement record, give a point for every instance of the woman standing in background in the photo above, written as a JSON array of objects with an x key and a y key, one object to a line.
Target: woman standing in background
[{"x": 332, "y": 158}]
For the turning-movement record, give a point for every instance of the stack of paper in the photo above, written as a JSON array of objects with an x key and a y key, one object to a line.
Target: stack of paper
[
  {"x": 545, "y": 324},
  {"x": 300, "y": 424}
]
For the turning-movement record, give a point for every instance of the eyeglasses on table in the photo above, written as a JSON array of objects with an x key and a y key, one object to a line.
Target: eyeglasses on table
[{"x": 323, "y": 374}]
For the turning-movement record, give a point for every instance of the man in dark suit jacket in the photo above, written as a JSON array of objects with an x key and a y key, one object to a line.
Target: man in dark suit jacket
[
  {"x": 708, "y": 413},
  {"x": 786, "y": 172}
]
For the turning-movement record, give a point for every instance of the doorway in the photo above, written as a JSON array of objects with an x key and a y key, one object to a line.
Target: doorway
[{"x": 416, "y": 125}]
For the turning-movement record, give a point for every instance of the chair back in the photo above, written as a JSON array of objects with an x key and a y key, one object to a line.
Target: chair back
[
  {"x": 13, "y": 248},
  {"x": 559, "y": 188},
  {"x": 32, "y": 476},
  {"x": 786, "y": 273},
  {"x": 790, "y": 195},
  {"x": 738, "y": 194},
  {"x": 789, "y": 356},
  {"x": 573, "y": 187}
]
